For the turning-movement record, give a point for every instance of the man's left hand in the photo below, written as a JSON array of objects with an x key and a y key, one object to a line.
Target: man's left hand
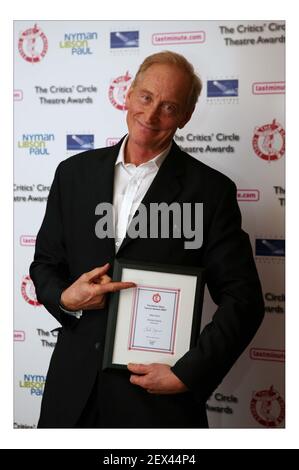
[{"x": 156, "y": 378}]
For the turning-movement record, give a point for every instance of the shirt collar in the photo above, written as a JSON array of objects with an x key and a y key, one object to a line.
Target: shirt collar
[{"x": 156, "y": 161}]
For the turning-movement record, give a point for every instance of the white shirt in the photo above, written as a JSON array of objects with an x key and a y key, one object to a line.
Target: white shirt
[{"x": 131, "y": 183}]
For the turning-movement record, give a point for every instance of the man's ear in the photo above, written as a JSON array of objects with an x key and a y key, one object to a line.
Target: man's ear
[
  {"x": 128, "y": 96},
  {"x": 186, "y": 118}
]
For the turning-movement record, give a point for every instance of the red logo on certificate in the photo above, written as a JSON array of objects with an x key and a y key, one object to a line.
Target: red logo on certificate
[
  {"x": 156, "y": 298},
  {"x": 153, "y": 325}
]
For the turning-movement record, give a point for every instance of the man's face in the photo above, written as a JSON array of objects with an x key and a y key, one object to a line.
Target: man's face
[{"x": 157, "y": 106}]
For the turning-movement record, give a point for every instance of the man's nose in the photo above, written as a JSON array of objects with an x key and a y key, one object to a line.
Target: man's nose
[{"x": 152, "y": 113}]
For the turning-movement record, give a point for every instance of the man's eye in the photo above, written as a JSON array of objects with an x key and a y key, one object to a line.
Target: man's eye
[
  {"x": 145, "y": 98},
  {"x": 169, "y": 108}
]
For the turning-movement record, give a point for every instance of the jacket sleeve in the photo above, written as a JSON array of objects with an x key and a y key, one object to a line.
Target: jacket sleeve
[
  {"x": 234, "y": 286},
  {"x": 49, "y": 270}
]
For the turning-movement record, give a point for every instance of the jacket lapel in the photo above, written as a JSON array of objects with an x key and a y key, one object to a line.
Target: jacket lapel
[
  {"x": 165, "y": 187},
  {"x": 103, "y": 181}
]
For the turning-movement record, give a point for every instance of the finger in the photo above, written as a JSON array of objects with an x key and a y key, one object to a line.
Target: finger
[
  {"x": 138, "y": 368},
  {"x": 101, "y": 280},
  {"x": 96, "y": 272},
  {"x": 138, "y": 380},
  {"x": 115, "y": 286}
]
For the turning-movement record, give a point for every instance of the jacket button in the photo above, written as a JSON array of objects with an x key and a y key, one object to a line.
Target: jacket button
[{"x": 97, "y": 345}]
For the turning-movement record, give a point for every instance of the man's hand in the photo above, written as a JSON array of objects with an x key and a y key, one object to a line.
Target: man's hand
[
  {"x": 156, "y": 378},
  {"x": 88, "y": 291}
]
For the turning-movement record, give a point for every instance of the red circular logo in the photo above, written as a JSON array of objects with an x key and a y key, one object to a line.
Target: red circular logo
[
  {"x": 156, "y": 298},
  {"x": 118, "y": 90},
  {"x": 33, "y": 44},
  {"x": 268, "y": 408},
  {"x": 28, "y": 291},
  {"x": 269, "y": 141}
]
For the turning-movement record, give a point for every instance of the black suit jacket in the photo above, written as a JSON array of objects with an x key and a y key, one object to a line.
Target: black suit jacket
[{"x": 67, "y": 246}]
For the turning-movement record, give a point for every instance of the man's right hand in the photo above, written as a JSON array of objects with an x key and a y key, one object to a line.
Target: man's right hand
[{"x": 89, "y": 291}]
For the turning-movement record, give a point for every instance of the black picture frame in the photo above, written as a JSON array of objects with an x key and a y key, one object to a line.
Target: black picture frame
[{"x": 122, "y": 263}]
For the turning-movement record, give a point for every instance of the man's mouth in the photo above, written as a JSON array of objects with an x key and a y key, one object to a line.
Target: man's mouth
[{"x": 149, "y": 128}]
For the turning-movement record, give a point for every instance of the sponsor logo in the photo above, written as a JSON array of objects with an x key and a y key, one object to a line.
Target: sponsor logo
[
  {"x": 124, "y": 39},
  {"x": 268, "y": 407},
  {"x": 254, "y": 34},
  {"x": 23, "y": 426},
  {"x": 224, "y": 403},
  {"x": 36, "y": 144},
  {"x": 46, "y": 337},
  {"x": 219, "y": 143},
  {"x": 25, "y": 194},
  {"x": 27, "y": 240},
  {"x": 156, "y": 298},
  {"x": 19, "y": 335},
  {"x": 33, "y": 44},
  {"x": 222, "y": 88},
  {"x": 268, "y": 88},
  {"x": 262, "y": 354},
  {"x": 185, "y": 37},
  {"x": 34, "y": 383},
  {"x": 118, "y": 90},
  {"x": 80, "y": 141},
  {"x": 279, "y": 301},
  {"x": 64, "y": 95},
  {"x": 28, "y": 291},
  {"x": 269, "y": 247},
  {"x": 269, "y": 141},
  {"x": 248, "y": 195},
  {"x": 112, "y": 141},
  {"x": 280, "y": 193},
  {"x": 78, "y": 43},
  {"x": 17, "y": 95}
]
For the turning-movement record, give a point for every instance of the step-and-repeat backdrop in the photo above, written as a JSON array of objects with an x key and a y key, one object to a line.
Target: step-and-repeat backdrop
[{"x": 70, "y": 80}]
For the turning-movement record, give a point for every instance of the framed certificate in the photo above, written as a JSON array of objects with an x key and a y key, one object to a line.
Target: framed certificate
[{"x": 159, "y": 320}]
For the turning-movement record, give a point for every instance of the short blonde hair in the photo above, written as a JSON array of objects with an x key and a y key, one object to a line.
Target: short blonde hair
[{"x": 178, "y": 60}]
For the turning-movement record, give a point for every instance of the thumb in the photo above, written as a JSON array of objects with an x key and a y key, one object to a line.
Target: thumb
[{"x": 97, "y": 272}]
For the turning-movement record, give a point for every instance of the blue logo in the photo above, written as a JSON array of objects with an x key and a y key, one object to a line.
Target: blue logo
[
  {"x": 222, "y": 88},
  {"x": 121, "y": 39},
  {"x": 80, "y": 142},
  {"x": 269, "y": 247}
]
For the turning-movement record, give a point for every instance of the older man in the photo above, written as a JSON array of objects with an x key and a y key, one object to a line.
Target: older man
[{"x": 72, "y": 265}]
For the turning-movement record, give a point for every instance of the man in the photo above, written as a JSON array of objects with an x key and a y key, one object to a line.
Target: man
[{"x": 72, "y": 266}]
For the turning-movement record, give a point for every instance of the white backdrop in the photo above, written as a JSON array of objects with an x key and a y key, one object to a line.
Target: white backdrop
[{"x": 70, "y": 78}]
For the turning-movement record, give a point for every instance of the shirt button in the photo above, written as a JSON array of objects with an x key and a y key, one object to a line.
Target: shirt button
[
  {"x": 117, "y": 243},
  {"x": 97, "y": 345}
]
